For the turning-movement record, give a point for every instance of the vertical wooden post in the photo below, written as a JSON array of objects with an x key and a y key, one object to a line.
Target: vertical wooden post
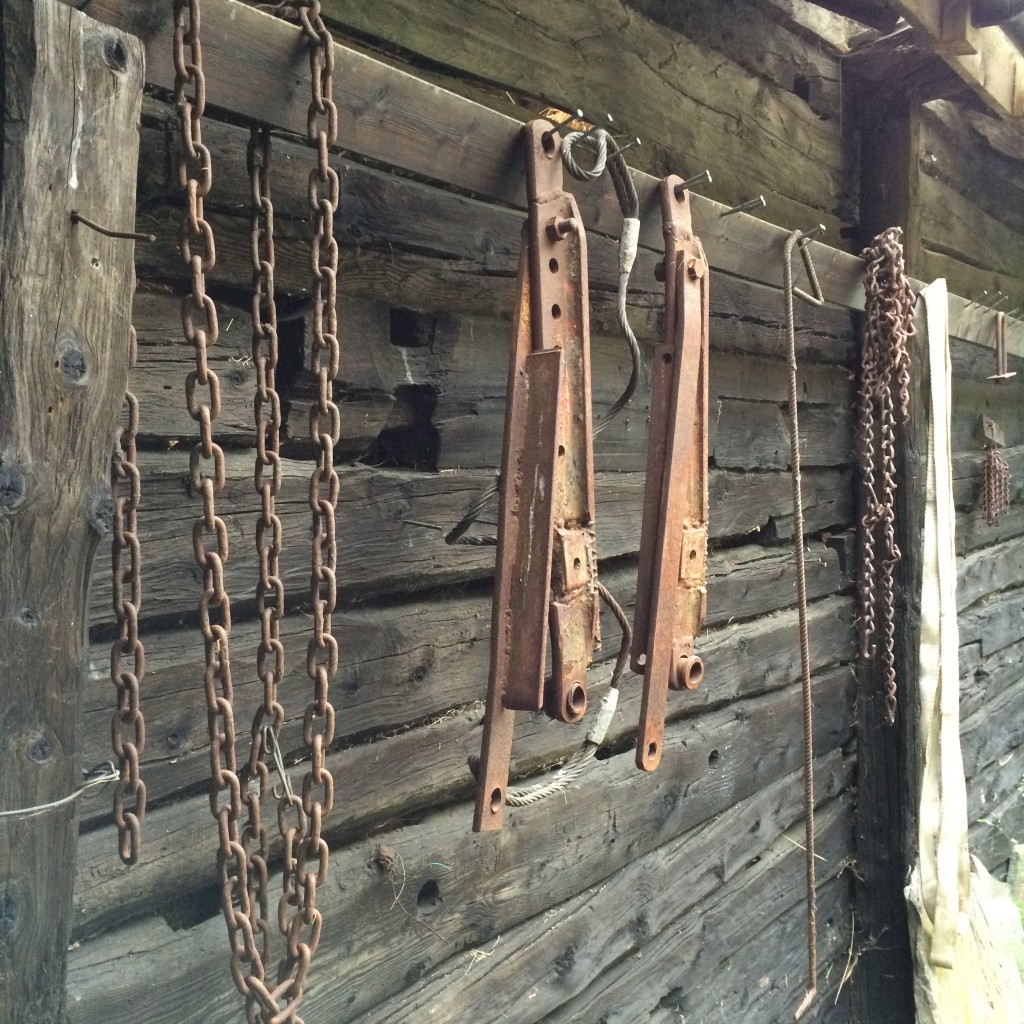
[
  {"x": 72, "y": 93},
  {"x": 886, "y": 813}
]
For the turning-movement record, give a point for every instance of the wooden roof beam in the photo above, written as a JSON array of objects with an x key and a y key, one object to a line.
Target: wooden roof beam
[{"x": 987, "y": 59}]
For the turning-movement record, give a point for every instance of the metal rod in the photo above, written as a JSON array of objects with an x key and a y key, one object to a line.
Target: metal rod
[
  {"x": 818, "y": 229},
  {"x": 139, "y": 236},
  {"x": 698, "y": 179},
  {"x": 750, "y": 204}
]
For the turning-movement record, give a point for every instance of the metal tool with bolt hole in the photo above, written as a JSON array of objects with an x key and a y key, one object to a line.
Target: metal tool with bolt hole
[
  {"x": 671, "y": 595},
  {"x": 546, "y": 568}
]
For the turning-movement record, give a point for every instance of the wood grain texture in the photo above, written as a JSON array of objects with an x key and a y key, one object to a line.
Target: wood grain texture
[
  {"x": 400, "y": 772},
  {"x": 676, "y": 914},
  {"x": 415, "y": 661},
  {"x": 72, "y": 91},
  {"x": 486, "y": 884}
]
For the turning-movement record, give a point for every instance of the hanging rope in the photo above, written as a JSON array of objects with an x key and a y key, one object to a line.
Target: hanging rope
[
  {"x": 883, "y": 400},
  {"x": 801, "y": 591},
  {"x": 608, "y": 157}
]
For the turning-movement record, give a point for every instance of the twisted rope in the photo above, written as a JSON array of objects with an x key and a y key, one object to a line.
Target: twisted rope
[{"x": 801, "y": 591}]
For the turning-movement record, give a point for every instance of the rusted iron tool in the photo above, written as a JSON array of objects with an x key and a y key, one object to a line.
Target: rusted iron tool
[
  {"x": 671, "y": 596},
  {"x": 546, "y": 566}
]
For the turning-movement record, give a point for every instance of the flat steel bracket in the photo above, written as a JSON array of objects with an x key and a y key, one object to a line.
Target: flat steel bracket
[
  {"x": 671, "y": 596},
  {"x": 546, "y": 566}
]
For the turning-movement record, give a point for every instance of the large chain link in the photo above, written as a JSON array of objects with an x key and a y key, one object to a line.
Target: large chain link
[
  {"x": 209, "y": 535},
  {"x": 883, "y": 400},
  {"x": 306, "y": 852},
  {"x": 127, "y": 654}
]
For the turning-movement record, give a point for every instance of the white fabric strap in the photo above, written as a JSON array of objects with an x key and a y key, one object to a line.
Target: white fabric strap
[{"x": 942, "y": 820}]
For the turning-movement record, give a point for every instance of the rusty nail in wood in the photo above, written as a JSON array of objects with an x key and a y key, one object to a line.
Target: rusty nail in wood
[{"x": 139, "y": 236}]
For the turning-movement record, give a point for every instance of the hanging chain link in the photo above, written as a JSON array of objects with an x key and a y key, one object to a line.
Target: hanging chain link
[
  {"x": 995, "y": 489},
  {"x": 127, "y": 654},
  {"x": 207, "y": 476},
  {"x": 306, "y": 852},
  {"x": 883, "y": 400}
]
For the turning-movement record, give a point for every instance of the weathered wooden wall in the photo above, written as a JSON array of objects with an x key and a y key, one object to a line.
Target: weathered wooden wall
[{"x": 637, "y": 898}]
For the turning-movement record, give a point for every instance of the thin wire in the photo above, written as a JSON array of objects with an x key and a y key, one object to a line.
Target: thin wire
[
  {"x": 801, "y": 588},
  {"x": 608, "y": 157},
  {"x": 109, "y": 774}
]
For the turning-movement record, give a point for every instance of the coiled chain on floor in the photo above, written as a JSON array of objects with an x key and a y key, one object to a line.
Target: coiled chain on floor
[
  {"x": 995, "y": 486},
  {"x": 883, "y": 400},
  {"x": 127, "y": 654}
]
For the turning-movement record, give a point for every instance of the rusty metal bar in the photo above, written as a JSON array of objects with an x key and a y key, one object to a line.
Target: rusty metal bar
[
  {"x": 546, "y": 567},
  {"x": 671, "y": 597}
]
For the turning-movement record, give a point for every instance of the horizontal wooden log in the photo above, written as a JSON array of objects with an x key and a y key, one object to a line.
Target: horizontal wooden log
[
  {"x": 758, "y": 976},
  {"x": 412, "y": 125},
  {"x": 988, "y": 570},
  {"x": 485, "y": 883},
  {"x": 670, "y": 916},
  {"x": 978, "y": 156},
  {"x": 386, "y": 213},
  {"x": 403, "y": 771},
  {"x": 957, "y": 227},
  {"x": 770, "y": 49},
  {"x": 998, "y": 823},
  {"x": 391, "y": 523},
  {"x": 566, "y": 58},
  {"x": 413, "y": 662},
  {"x": 997, "y": 728}
]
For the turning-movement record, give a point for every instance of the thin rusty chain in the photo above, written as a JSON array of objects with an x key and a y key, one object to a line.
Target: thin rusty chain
[
  {"x": 127, "y": 654},
  {"x": 306, "y": 852},
  {"x": 883, "y": 400},
  {"x": 995, "y": 491}
]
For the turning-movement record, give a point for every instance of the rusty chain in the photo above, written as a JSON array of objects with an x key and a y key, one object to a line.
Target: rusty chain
[
  {"x": 995, "y": 488},
  {"x": 883, "y": 400},
  {"x": 255, "y": 776},
  {"x": 127, "y": 654},
  {"x": 207, "y": 477},
  {"x": 306, "y": 852}
]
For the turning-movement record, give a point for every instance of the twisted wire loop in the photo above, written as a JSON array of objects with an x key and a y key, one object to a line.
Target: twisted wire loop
[
  {"x": 608, "y": 157},
  {"x": 301, "y": 817},
  {"x": 789, "y": 290},
  {"x": 127, "y": 654},
  {"x": 883, "y": 401},
  {"x": 995, "y": 487}
]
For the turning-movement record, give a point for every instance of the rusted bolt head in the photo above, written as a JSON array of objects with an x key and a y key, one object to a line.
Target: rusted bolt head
[
  {"x": 697, "y": 268},
  {"x": 558, "y": 228},
  {"x": 689, "y": 673}
]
